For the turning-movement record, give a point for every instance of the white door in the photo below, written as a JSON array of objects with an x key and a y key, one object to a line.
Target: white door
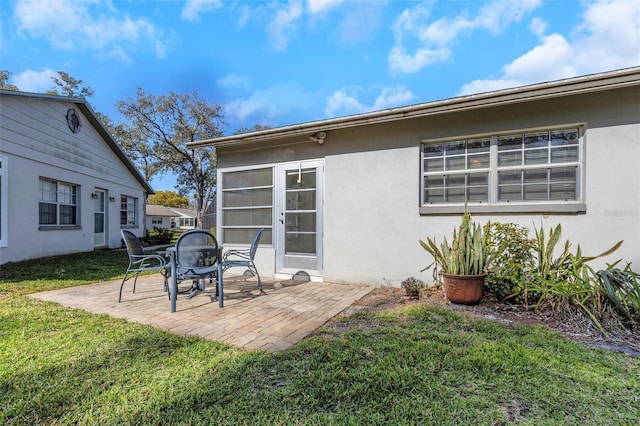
[
  {"x": 299, "y": 218},
  {"x": 100, "y": 218}
]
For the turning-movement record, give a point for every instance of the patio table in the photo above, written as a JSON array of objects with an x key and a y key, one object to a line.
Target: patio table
[{"x": 171, "y": 251}]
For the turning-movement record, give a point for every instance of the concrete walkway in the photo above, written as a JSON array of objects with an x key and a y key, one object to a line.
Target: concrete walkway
[{"x": 286, "y": 312}]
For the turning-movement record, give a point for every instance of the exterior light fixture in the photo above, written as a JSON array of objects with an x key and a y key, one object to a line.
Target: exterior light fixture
[
  {"x": 94, "y": 195},
  {"x": 319, "y": 137}
]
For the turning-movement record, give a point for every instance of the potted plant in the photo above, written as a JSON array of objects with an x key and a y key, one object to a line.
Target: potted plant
[
  {"x": 412, "y": 287},
  {"x": 463, "y": 264}
]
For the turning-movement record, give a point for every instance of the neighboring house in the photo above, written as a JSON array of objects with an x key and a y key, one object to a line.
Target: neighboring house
[
  {"x": 185, "y": 218},
  {"x": 347, "y": 199},
  {"x": 170, "y": 217},
  {"x": 160, "y": 217},
  {"x": 65, "y": 184}
]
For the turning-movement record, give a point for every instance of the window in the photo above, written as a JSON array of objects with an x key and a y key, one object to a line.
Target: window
[
  {"x": 58, "y": 203},
  {"x": 247, "y": 205},
  {"x": 4, "y": 207},
  {"x": 187, "y": 221},
  {"x": 128, "y": 210},
  {"x": 156, "y": 220},
  {"x": 537, "y": 170}
]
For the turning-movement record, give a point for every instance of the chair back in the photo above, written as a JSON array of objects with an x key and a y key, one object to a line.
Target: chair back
[
  {"x": 254, "y": 243},
  {"x": 134, "y": 246},
  {"x": 196, "y": 250}
]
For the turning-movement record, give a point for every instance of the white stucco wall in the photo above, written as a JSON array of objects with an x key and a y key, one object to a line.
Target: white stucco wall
[
  {"x": 37, "y": 143},
  {"x": 372, "y": 222}
]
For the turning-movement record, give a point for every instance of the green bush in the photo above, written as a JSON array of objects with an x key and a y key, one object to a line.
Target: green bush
[
  {"x": 512, "y": 262},
  {"x": 565, "y": 285},
  {"x": 622, "y": 289},
  {"x": 157, "y": 237}
]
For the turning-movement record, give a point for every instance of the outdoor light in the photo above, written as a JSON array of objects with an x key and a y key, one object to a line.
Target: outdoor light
[
  {"x": 94, "y": 195},
  {"x": 318, "y": 137},
  {"x": 112, "y": 199}
]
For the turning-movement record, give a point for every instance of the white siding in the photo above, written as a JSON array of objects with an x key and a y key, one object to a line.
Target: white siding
[{"x": 38, "y": 143}]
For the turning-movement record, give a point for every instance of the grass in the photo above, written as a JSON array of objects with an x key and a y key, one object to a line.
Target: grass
[{"x": 414, "y": 365}]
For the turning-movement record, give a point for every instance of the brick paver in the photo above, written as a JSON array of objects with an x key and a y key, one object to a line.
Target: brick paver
[{"x": 275, "y": 320}]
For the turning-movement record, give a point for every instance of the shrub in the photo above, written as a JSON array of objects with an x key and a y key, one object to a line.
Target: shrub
[
  {"x": 413, "y": 286},
  {"x": 157, "y": 236},
  {"x": 511, "y": 262},
  {"x": 566, "y": 285},
  {"x": 622, "y": 289}
]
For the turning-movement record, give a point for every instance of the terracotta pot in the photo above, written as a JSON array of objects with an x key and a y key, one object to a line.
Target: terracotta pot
[{"x": 464, "y": 289}]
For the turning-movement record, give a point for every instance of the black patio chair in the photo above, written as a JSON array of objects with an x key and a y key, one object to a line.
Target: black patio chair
[
  {"x": 196, "y": 259},
  {"x": 140, "y": 261},
  {"x": 244, "y": 257}
]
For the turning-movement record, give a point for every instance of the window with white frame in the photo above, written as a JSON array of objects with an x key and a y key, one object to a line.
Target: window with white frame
[
  {"x": 58, "y": 203},
  {"x": 528, "y": 169},
  {"x": 156, "y": 220},
  {"x": 187, "y": 221},
  {"x": 247, "y": 205},
  {"x": 128, "y": 210},
  {"x": 4, "y": 207}
]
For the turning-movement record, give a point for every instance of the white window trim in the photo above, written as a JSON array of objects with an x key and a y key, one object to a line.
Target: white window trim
[
  {"x": 493, "y": 206},
  {"x": 220, "y": 209},
  {"x": 136, "y": 210},
  {"x": 4, "y": 187},
  {"x": 57, "y": 226}
]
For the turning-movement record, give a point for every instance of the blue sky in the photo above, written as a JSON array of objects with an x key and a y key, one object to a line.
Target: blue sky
[{"x": 285, "y": 62}]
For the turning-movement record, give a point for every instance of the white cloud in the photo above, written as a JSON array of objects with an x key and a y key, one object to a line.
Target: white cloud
[
  {"x": 68, "y": 24},
  {"x": 608, "y": 38},
  {"x": 538, "y": 27},
  {"x": 269, "y": 103},
  {"x": 234, "y": 81},
  {"x": 401, "y": 61},
  {"x": 342, "y": 103},
  {"x": 193, "y": 8},
  {"x": 34, "y": 81},
  {"x": 433, "y": 40},
  {"x": 319, "y": 6},
  {"x": 284, "y": 23}
]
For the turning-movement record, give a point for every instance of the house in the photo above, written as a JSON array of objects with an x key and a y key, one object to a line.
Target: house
[
  {"x": 185, "y": 218},
  {"x": 159, "y": 217},
  {"x": 65, "y": 184},
  {"x": 347, "y": 199},
  {"x": 170, "y": 217}
]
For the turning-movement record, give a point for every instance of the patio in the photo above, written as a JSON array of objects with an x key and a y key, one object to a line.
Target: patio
[{"x": 286, "y": 312}]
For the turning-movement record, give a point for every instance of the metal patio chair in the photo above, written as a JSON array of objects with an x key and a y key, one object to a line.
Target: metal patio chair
[
  {"x": 140, "y": 261},
  {"x": 244, "y": 257},
  {"x": 196, "y": 258}
]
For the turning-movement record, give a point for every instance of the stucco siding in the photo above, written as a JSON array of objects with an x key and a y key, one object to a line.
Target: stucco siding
[{"x": 372, "y": 220}]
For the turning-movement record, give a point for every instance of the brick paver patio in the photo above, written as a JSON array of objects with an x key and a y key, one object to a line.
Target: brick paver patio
[{"x": 286, "y": 312}]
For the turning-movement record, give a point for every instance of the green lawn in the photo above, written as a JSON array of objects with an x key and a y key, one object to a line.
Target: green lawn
[{"x": 413, "y": 365}]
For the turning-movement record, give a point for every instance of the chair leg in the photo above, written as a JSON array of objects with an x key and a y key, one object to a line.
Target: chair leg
[
  {"x": 122, "y": 285},
  {"x": 134, "y": 282},
  {"x": 255, "y": 270}
]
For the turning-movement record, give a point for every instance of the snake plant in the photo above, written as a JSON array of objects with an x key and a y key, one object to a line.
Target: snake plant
[{"x": 468, "y": 253}]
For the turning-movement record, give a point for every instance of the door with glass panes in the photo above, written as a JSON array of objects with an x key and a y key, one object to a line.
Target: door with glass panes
[{"x": 299, "y": 218}]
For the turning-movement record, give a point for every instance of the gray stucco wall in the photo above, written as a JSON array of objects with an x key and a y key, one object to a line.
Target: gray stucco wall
[{"x": 371, "y": 213}]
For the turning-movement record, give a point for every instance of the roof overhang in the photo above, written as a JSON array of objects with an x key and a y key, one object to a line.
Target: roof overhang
[{"x": 554, "y": 89}]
